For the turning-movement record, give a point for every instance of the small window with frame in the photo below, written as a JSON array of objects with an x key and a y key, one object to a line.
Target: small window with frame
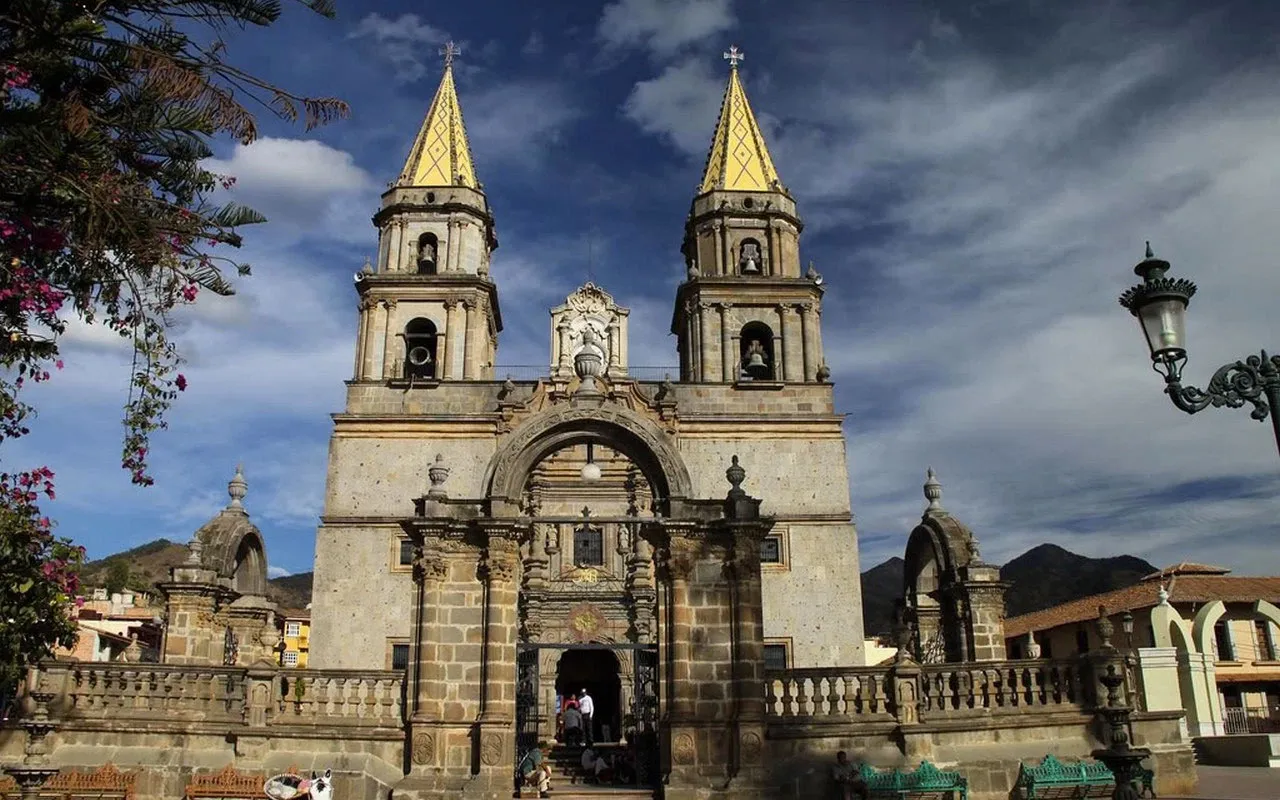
[
  {"x": 290, "y": 658},
  {"x": 293, "y": 629},
  {"x": 588, "y": 547},
  {"x": 771, "y": 550},
  {"x": 401, "y": 554},
  {"x": 777, "y": 655},
  {"x": 400, "y": 655}
]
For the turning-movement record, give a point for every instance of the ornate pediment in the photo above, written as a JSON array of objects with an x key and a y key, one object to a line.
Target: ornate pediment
[{"x": 589, "y": 319}]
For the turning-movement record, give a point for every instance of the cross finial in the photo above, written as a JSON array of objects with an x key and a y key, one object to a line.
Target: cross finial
[
  {"x": 449, "y": 51},
  {"x": 733, "y": 56}
]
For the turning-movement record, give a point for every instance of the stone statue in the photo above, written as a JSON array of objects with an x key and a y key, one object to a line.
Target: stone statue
[
  {"x": 749, "y": 260},
  {"x": 756, "y": 361}
]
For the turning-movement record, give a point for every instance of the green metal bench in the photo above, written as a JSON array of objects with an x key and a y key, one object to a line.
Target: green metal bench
[
  {"x": 1051, "y": 779},
  {"x": 925, "y": 779}
]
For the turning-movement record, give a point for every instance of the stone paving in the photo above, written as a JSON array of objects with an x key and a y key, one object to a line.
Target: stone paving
[{"x": 1236, "y": 783}]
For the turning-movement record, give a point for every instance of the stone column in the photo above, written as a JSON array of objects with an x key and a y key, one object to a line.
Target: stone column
[
  {"x": 431, "y": 572},
  {"x": 722, "y": 248},
  {"x": 775, "y": 249},
  {"x": 984, "y": 601},
  {"x": 694, "y": 344},
  {"x": 682, "y": 554},
  {"x": 383, "y": 248},
  {"x": 727, "y": 353},
  {"x": 564, "y": 364},
  {"x": 450, "y": 246},
  {"x": 794, "y": 372},
  {"x": 395, "y": 252},
  {"x": 749, "y": 636},
  {"x": 469, "y": 337},
  {"x": 388, "y": 355},
  {"x": 498, "y": 694},
  {"x": 808, "y": 342},
  {"x": 366, "y": 345},
  {"x": 452, "y": 331},
  {"x": 780, "y": 345},
  {"x": 708, "y": 367}
]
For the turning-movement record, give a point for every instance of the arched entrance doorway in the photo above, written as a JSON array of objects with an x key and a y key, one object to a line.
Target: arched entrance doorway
[{"x": 595, "y": 671}]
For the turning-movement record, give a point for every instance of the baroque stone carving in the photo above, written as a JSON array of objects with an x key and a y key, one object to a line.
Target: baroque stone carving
[
  {"x": 682, "y": 750},
  {"x": 424, "y": 749},
  {"x": 506, "y": 460},
  {"x": 750, "y": 747},
  {"x": 491, "y": 749},
  {"x": 681, "y": 556}
]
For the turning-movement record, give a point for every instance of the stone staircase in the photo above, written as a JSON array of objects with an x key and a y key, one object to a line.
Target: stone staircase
[{"x": 568, "y": 781}]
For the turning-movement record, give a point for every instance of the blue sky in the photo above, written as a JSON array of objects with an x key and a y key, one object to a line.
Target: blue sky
[{"x": 977, "y": 180}]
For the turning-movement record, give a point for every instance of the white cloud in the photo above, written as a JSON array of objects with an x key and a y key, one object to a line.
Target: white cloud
[
  {"x": 277, "y": 572},
  {"x": 407, "y": 42},
  {"x": 299, "y": 184},
  {"x": 679, "y": 105},
  {"x": 663, "y": 26},
  {"x": 978, "y": 222},
  {"x": 513, "y": 122}
]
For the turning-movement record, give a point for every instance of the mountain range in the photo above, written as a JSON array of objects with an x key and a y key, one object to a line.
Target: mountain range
[{"x": 1043, "y": 576}]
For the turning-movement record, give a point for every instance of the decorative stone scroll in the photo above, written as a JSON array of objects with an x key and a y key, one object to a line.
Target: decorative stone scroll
[{"x": 590, "y": 307}]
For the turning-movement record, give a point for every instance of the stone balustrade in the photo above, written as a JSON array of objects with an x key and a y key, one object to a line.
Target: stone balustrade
[
  {"x": 932, "y": 690},
  {"x": 950, "y": 690},
  {"x": 92, "y": 692},
  {"x": 336, "y": 697},
  {"x": 827, "y": 693}
]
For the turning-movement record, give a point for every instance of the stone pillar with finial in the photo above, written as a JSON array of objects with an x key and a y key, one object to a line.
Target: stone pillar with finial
[
  {"x": 35, "y": 768},
  {"x": 193, "y": 632}
]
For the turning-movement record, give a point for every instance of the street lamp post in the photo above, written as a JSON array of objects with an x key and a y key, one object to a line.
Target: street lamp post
[{"x": 1160, "y": 304}]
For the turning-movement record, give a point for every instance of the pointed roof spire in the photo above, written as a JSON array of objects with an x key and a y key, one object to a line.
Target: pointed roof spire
[
  {"x": 739, "y": 159},
  {"x": 441, "y": 155}
]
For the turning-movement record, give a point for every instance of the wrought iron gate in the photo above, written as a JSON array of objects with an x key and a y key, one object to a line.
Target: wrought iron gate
[
  {"x": 528, "y": 715},
  {"x": 645, "y": 711}
]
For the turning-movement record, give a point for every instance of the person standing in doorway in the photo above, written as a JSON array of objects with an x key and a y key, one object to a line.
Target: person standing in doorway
[{"x": 588, "y": 708}]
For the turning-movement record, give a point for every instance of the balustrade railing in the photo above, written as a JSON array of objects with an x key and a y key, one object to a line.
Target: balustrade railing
[
  {"x": 827, "y": 693},
  {"x": 999, "y": 686},
  {"x": 101, "y": 690},
  {"x": 937, "y": 690},
  {"x": 335, "y": 697},
  {"x": 228, "y": 695}
]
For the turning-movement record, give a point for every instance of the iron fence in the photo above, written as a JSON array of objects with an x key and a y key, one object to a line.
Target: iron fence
[{"x": 1250, "y": 720}]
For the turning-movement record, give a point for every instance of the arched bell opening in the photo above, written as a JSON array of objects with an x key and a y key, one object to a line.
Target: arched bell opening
[
  {"x": 420, "y": 348},
  {"x": 428, "y": 247},
  {"x": 750, "y": 258},
  {"x": 249, "y": 575},
  {"x": 756, "y": 360}
]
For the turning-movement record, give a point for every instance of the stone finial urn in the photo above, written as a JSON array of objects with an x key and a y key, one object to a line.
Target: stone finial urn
[{"x": 589, "y": 362}]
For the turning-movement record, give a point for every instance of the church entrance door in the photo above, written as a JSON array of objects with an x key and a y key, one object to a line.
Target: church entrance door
[{"x": 622, "y": 680}]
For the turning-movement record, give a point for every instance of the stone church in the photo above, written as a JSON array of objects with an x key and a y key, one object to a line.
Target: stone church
[
  {"x": 558, "y": 518},
  {"x": 679, "y": 545}
]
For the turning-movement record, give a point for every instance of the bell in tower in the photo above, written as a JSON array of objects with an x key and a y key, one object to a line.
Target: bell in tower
[
  {"x": 746, "y": 314},
  {"x": 429, "y": 309}
]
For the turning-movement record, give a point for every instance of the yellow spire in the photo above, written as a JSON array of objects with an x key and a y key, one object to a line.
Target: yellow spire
[
  {"x": 739, "y": 159},
  {"x": 441, "y": 155}
]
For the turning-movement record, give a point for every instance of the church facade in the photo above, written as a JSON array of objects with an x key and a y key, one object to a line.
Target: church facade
[{"x": 551, "y": 513}]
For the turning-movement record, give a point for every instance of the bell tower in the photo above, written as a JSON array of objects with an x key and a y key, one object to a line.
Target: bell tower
[
  {"x": 746, "y": 313},
  {"x": 428, "y": 308}
]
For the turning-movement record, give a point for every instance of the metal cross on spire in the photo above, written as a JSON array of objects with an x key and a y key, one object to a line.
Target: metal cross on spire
[
  {"x": 733, "y": 56},
  {"x": 449, "y": 51}
]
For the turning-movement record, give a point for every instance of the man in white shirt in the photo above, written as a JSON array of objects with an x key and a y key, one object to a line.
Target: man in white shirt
[{"x": 588, "y": 708}]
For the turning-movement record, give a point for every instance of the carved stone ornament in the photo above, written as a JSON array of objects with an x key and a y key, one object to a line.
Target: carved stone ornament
[
  {"x": 491, "y": 749},
  {"x": 424, "y": 748},
  {"x": 585, "y": 622},
  {"x": 589, "y": 299},
  {"x": 682, "y": 555},
  {"x": 682, "y": 749},
  {"x": 501, "y": 560},
  {"x": 750, "y": 746},
  {"x": 432, "y": 567}
]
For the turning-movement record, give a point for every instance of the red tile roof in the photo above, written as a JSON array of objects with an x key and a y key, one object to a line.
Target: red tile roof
[{"x": 1192, "y": 586}]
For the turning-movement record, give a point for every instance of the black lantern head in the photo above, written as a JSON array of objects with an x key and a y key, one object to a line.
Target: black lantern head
[{"x": 1160, "y": 304}]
